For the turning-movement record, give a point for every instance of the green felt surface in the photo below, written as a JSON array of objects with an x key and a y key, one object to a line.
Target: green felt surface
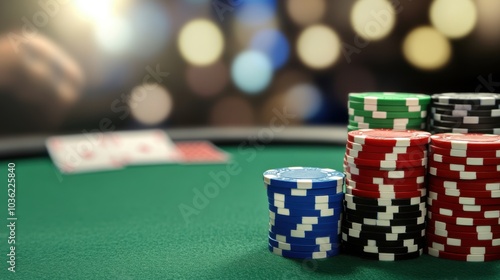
[{"x": 127, "y": 225}]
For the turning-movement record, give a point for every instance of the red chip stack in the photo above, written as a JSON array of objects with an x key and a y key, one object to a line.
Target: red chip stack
[{"x": 464, "y": 197}]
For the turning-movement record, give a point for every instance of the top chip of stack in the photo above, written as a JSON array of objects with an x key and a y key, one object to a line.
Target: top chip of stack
[
  {"x": 305, "y": 210},
  {"x": 387, "y": 110},
  {"x": 464, "y": 197},
  {"x": 385, "y": 194},
  {"x": 465, "y": 113}
]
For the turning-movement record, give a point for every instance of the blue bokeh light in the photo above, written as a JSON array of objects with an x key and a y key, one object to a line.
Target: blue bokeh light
[
  {"x": 255, "y": 12},
  {"x": 251, "y": 71},
  {"x": 274, "y": 44}
]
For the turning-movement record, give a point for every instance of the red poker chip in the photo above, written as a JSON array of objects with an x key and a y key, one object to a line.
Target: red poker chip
[
  {"x": 390, "y": 195},
  {"x": 385, "y": 181},
  {"x": 384, "y": 149},
  {"x": 463, "y": 175},
  {"x": 485, "y": 184},
  {"x": 393, "y": 174},
  {"x": 458, "y": 228},
  {"x": 478, "y": 161},
  {"x": 468, "y": 141},
  {"x": 464, "y": 250},
  {"x": 386, "y": 164},
  {"x": 462, "y": 242},
  {"x": 465, "y": 235},
  {"x": 463, "y": 221},
  {"x": 465, "y": 193},
  {"x": 384, "y": 188},
  {"x": 462, "y": 208},
  {"x": 462, "y": 257},
  {"x": 389, "y": 137},
  {"x": 463, "y": 200},
  {"x": 464, "y": 153},
  {"x": 469, "y": 214},
  {"x": 411, "y": 155},
  {"x": 461, "y": 167}
]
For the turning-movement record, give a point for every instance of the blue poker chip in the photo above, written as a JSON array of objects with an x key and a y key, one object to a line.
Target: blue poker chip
[
  {"x": 303, "y": 192},
  {"x": 304, "y": 206},
  {"x": 307, "y": 220},
  {"x": 303, "y": 248},
  {"x": 310, "y": 200},
  {"x": 303, "y": 255},
  {"x": 306, "y": 227},
  {"x": 305, "y": 241},
  {"x": 302, "y": 233},
  {"x": 304, "y": 177},
  {"x": 328, "y": 212}
]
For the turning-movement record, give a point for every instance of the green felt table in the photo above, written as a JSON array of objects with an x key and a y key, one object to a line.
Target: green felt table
[{"x": 128, "y": 224}]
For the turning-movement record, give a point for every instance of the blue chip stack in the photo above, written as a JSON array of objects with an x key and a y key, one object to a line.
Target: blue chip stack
[{"x": 305, "y": 211}]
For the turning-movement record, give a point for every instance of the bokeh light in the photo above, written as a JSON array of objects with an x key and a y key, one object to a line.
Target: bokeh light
[
  {"x": 96, "y": 10},
  {"x": 318, "y": 46},
  {"x": 150, "y": 104},
  {"x": 426, "y": 48},
  {"x": 274, "y": 44},
  {"x": 304, "y": 100},
  {"x": 254, "y": 12},
  {"x": 200, "y": 42},
  {"x": 207, "y": 80},
  {"x": 232, "y": 111},
  {"x": 488, "y": 22},
  {"x": 114, "y": 35},
  {"x": 454, "y": 18},
  {"x": 373, "y": 19},
  {"x": 306, "y": 12},
  {"x": 242, "y": 34},
  {"x": 251, "y": 71},
  {"x": 151, "y": 28}
]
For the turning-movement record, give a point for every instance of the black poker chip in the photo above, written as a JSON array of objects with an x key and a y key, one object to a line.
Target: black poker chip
[
  {"x": 387, "y": 256},
  {"x": 356, "y": 248},
  {"x": 383, "y": 229},
  {"x": 382, "y": 243},
  {"x": 375, "y": 222},
  {"x": 463, "y": 113},
  {"x": 386, "y": 215},
  {"x": 383, "y": 236}
]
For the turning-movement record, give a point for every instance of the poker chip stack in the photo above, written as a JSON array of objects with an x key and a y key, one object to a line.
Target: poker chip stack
[
  {"x": 385, "y": 194},
  {"x": 464, "y": 197},
  {"x": 387, "y": 110},
  {"x": 465, "y": 113},
  {"x": 305, "y": 210}
]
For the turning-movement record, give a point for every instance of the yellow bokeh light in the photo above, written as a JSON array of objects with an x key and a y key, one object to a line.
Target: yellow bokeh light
[
  {"x": 200, "y": 42},
  {"x": 306, "y": 12},
  {"x": 454, "y": 18},
  {"x": 150, "y": 104},
  {"x": 426, "y": 48},
  {"x": 97, "y": 10},
  {"x": 318, "y": 46},
  {"x": 373, "y": 19}
]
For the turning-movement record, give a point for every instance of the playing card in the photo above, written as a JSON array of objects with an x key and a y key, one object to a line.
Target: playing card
[
  {"x": 143, "y": 147},
  {"x": 81, "y": 153},
  {"x": 201, "y": 152}
]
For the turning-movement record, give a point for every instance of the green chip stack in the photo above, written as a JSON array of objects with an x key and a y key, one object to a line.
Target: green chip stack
[{"x": 387, "y": 110}]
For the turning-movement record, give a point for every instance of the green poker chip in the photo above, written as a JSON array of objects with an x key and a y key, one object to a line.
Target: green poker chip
[
  {"x": 361, "y": 125},
  {"x": 391, "y": 98},
  {"x": 387, "y": 115},
  {"x": 397, "y": 121},
  {"x": 351, "y": 128},
  {"x": 386, "y": 108}
]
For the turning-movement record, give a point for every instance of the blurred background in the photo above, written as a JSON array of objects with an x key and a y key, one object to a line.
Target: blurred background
[{"x": 79, "y": 66}]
